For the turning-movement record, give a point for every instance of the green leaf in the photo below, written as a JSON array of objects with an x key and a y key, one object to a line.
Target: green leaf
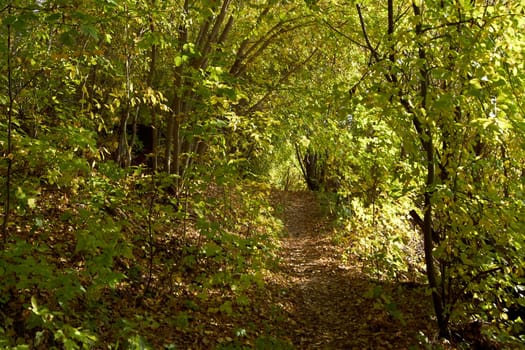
[
  {"x": 68, "y": 38},
  {"x": 227, "y": 308},
  {"x": 180, "y": 60},
  {"x": 9, "y": 20},
  {"x": 89, "y": 31},
  {"x": 53, "y": 17}
]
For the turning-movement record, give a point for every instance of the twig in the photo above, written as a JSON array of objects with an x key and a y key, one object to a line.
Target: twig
[
  {"x": 353, "y": 41},
  {"x": 281, "y": 80},
  {"x": 150, "y": 234}
]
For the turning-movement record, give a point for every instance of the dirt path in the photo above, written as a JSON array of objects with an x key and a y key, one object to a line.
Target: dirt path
[{"x": 326, "y": 301}]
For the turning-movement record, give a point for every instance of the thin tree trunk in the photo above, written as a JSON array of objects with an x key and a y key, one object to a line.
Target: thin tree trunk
[
  {"x": 124, "y": 151},
  {"x": 176, "y": 144},
  {"x": 174, "y": 121},
  {"x": 133, "y": 139},
  {"x": 169, "y": 140},
  {"x": 427, "y": 143},
  {"x": 7, "y": 203},
  {"x": 425, "y": 137},
  {"x": 153, "y": 111}
]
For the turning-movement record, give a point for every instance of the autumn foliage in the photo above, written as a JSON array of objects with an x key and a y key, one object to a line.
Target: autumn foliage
[{"x": 154, "y": 156}]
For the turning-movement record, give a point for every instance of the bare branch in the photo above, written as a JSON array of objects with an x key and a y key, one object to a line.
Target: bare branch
[
  {"x": 365, "y": 34},
  {"x": 246, "y": 58}
]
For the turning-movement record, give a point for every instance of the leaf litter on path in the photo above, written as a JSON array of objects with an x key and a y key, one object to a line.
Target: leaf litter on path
[{"x": 331, "y": 305}]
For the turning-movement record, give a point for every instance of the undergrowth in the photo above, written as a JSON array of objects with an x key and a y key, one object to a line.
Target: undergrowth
[{"x": 118, "y": 260}]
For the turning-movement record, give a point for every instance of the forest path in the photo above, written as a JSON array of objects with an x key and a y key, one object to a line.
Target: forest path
[{"x": 326, "y": 300}]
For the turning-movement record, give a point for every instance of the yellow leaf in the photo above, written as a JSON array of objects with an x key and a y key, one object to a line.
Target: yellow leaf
[{"x": 31, "y": 202}]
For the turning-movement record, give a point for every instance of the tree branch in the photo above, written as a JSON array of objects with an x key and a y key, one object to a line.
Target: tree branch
[
  {"x": 365, "y": 34},
  {"x": 281, "y": 80},
  {"x": 246, "y": 55},
  {"x": 353, "y": 41}
]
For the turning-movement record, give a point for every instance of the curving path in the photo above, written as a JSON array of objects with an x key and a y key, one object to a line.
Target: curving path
[{"x": 325, "y": 300}]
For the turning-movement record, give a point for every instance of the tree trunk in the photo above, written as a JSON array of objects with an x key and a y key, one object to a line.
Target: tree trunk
[
  {"x": 124, "y": 151},
  {"x": 153, "y": 111},
  {"x": 174, "y": 121},
  {"x": 425, "y": 136},
  {"x": 9, "y": 156}
]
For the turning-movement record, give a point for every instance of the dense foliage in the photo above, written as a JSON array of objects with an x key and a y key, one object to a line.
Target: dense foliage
[{"x": 140, "y": 140}]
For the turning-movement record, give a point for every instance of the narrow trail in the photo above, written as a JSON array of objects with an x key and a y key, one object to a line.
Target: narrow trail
[{"x": 325, "y": 299}]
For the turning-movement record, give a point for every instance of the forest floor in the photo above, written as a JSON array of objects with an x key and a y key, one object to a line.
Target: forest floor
[
  {"x": 334, "y": 305},
  {"x": 312, "y": 298}
]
